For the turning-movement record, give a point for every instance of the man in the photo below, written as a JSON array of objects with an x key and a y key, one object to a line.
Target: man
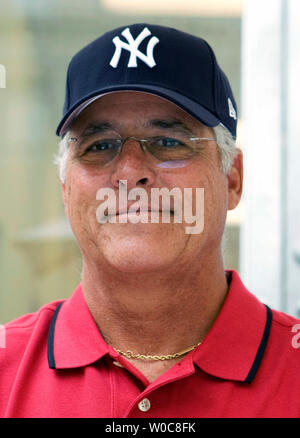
[{"x": 156, "y": 328}]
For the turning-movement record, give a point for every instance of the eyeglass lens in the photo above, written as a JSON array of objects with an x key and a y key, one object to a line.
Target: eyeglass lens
[{"x": 167, "y": 152}]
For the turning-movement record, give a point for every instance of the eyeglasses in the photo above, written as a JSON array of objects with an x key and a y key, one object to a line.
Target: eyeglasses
[{"x": 101, "y": 149}]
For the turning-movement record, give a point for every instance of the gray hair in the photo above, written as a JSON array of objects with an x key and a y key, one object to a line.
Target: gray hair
[
  {"x": 61, "y": 157},
  {"x": 224, "y": 139},
  {"x": 226, "y": 146}
]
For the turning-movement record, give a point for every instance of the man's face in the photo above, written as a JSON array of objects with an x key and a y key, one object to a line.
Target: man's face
[{"x": 145, "y": 247}]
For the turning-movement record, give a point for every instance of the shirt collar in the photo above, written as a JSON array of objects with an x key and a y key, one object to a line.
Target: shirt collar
[
  {"x": 74, "y": 339},
  {"x": 235, "y": 344},
  {"x": 232, "y": 349}
]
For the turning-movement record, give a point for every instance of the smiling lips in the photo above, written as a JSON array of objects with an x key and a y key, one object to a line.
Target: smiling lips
[{"x": 139, "y": 210}]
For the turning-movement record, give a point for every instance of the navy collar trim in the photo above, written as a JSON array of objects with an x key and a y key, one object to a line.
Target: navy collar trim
[
  {"x": 205, "y": 357},
  {"x": 261, "y": 348},
  {"x": 50, "y": 351}
]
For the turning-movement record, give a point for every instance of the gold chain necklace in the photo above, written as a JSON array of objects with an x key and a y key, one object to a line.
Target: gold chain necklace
[{"x": 129, "y": 354}]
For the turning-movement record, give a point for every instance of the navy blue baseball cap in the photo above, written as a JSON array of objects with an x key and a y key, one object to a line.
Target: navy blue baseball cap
[{"x": 160, "y": 60}]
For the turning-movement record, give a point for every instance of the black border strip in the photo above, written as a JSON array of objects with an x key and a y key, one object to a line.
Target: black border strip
[
  {"x": 50, "y": 350},
  {"x": 261, "y": 348}
]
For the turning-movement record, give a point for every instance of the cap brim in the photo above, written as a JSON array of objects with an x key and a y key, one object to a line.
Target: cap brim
[{"x": 187, "y": 104}]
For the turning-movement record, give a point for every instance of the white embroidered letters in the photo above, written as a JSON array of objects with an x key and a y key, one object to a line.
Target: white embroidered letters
[{"x": 132, "y": 46}]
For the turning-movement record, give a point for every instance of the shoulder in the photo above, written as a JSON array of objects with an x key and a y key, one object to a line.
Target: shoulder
[
  {"x": 23, "y": 338},
  {"x": 26, "y": 323},
  {"x": 283, "y": 321},
  {"x": 19, "y": 333},
  {"x": 283, "y": 349},
  {"x": 286, "y": 328}
]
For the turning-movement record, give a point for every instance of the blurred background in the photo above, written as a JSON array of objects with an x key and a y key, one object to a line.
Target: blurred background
[{"x": 256, "y": 45}]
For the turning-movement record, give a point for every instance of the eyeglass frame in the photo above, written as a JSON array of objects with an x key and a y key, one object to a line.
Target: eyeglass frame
[{"x": 143, "y": 142}]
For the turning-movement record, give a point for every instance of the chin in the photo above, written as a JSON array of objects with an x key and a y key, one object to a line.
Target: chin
[
  {"x": 138, "y": 255},
  {"x": 138, "y": 264},
  {"x": 135, "y": 267}
]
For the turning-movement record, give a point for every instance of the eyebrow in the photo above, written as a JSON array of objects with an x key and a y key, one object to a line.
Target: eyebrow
[
  {"x": 170, "y": 124},
  {"x": 96, "y": 128},
  {"x": 166, "y": 124}
]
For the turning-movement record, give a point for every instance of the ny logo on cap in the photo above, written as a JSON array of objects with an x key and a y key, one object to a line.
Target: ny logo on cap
[{"x": 132, "y": 47}]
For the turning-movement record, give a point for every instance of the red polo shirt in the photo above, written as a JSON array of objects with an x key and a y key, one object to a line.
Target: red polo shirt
[{"x": 56, "y": 364}]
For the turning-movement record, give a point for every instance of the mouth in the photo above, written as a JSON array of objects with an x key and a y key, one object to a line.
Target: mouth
[{"x": 139, "y": 211}]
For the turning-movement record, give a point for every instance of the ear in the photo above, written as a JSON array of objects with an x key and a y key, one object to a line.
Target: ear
[
  {"x": 65, "y": 197},
  {"x": 235, "y": 181}
]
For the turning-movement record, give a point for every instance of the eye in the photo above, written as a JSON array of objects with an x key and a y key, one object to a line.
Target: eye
[
  {"x": 167, "y": 142},
  {"x": 103, "y": 145}
]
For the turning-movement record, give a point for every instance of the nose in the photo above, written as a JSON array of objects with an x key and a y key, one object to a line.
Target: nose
[{"x": 132, "y": 165}]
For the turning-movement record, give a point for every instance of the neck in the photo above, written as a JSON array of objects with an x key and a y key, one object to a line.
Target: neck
[{"x": 155, "y": 313}]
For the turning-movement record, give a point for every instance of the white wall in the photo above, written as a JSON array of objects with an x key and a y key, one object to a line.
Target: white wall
[{"x": 270, "y": 112}]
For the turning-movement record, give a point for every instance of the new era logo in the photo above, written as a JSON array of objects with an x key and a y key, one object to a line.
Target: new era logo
[
  {"x": 132, "y": 46},
  {"x": 232, "y": 111}
]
